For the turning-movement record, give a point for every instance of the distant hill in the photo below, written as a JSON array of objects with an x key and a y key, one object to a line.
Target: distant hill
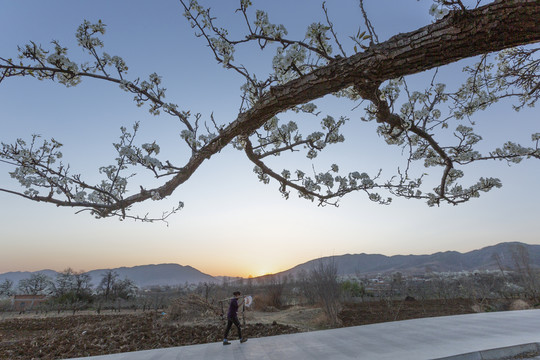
[
  {"x": 162, "y": 274},
  {"x": 143, "y": 276},
  {"x": 349, "y": 264},
  {"x": 449, "y": 261},
  {"x": 16, "y": 276}
]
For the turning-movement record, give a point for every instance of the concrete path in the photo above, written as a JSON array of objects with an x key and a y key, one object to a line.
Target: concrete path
[{"x": 418, "y": 339}]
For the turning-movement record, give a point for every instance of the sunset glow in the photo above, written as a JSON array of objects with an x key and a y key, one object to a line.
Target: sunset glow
[{"x": 232, "y": 224}]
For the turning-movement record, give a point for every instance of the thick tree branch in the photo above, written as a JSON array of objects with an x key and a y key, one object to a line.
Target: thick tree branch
[
  {"x": 493, "y": 27},
  {"x": 461, "y": 34}
]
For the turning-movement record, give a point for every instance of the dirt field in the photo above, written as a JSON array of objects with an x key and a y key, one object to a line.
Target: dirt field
[{"x": 58, "y": 337}]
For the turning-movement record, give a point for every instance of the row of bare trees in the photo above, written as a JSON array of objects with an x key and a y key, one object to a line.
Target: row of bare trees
[
  {"x": 322, "y": 286},
  {"x": 319, "y": 286},
  {"x": 73, "y": 290}
]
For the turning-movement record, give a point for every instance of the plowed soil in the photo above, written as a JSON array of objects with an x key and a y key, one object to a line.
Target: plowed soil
[
  {"x": 69, "y": 336},
  {"x": 88, "y": 335},
  {"x": 384, "y": 311}
]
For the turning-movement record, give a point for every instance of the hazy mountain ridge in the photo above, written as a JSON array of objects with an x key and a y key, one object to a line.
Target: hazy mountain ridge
[
  {"x": 142, "y": 275},
  {"x": 349, "y": 264},
  {"x": 448, "y": 261},
  {"x": 17, "y": 276},
  {"x": 160, "y": 274}
]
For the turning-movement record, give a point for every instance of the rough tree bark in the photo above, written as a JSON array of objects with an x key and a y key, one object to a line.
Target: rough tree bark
[
  {"x": 497, "y": 26},
  {"x": 461, "y": 34}
]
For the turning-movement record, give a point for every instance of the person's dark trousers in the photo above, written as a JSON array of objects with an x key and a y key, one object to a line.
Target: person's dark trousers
[{"x": 230, "y": 321}]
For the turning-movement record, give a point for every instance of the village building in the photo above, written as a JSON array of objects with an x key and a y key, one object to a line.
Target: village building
[{"x": 23, "y": 303}]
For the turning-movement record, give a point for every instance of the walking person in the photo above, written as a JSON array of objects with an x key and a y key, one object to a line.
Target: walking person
[{"x": 232, "y": 318}]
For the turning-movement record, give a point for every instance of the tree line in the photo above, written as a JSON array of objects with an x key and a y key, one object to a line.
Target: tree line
[
  {"x": 320, "y": 286},
  {"x": 73, "y": 289}
]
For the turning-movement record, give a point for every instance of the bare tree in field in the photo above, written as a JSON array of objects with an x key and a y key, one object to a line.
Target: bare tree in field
[
  {"x": 6, "y": 288},
  {"x": 275, "y": 288},
  {"x": 307, "y": 289},
  {"x": 36, "y": 284},
  {"x": 107, "y": 283},
  {"x": 72, "y": 288},
  {"x": 503, "y": 35},
  {"x": 527, "y": 274},
  {"x": 323, "y": 278}
]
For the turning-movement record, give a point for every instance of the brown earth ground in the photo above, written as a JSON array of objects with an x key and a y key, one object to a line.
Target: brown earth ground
[{"x": 52, "y": 336}]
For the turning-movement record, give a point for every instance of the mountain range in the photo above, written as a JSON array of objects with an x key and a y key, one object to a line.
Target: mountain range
[
  {"x": 142, "y": 276},
  {"x": 489, "y": 258},
  {"x": 494, "y": 257}
]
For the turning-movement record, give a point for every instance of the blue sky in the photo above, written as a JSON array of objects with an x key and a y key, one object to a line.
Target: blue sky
[{"x": 231, "y": 224}]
